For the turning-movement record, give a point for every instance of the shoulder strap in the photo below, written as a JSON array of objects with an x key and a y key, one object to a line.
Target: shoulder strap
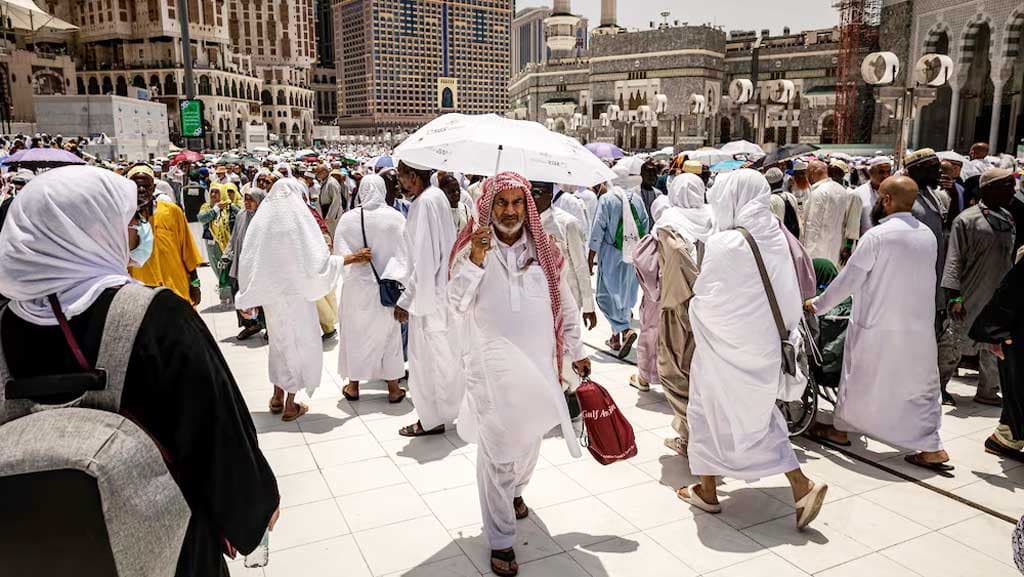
[
  {"x": 5, "y": 373},
  {"x": 772, "y": 302},
  {"x": 362, "y": 225},
  {"x": 122, "y": 326}
]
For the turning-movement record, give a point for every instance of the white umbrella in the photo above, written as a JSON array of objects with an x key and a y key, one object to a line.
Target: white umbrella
[
  {"x": 487, "y": 144},
  {"x": 25, "y": 15},
  {"x": 708, "y": 156},
  {"x": 742, "y": 147}
]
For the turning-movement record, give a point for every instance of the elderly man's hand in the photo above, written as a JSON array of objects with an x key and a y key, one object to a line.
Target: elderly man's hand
[
  {"x": 480, "y": 243},
  {"x": 582, "y": 367},
  {"x": 401, "y": 315}
]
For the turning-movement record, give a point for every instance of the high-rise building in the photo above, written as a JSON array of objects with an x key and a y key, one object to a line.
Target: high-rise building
[
  {"x": 530, "y": 42},
  {"x": 280, "y": 38},
  {"x": 400, "y": 63}
]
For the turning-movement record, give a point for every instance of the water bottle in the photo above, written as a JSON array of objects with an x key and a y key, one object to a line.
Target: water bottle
[{"x": 261, "y": 555}]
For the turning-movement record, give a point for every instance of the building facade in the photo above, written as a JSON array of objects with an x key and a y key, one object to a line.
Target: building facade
[
  {"x": 529, "y": 40},
  {"x": 42, "y": 69},
  {"x": 279, "y": 37},
  {"x": 982, "y": 101},
  {"x": 400, "y": 63},
  {"x": 640, "y": 89},
  {"x": 325, "y": 95}
]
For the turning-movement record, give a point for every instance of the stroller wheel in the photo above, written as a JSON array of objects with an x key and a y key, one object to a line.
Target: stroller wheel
[{"x": 800, "y": 414}]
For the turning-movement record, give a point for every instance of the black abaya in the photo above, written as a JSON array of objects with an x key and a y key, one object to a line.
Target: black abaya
[
  {"x": 1002, "y": 319},
  {"x": 179, "y": 389}
]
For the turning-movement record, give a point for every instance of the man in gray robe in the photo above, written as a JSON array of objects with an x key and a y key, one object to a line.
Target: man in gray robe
[{"x": 980, "y": 254}]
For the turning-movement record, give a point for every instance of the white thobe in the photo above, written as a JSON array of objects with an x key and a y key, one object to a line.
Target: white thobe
[
  {"x": 433, "y": 372},
  {"x": 890, "y": 381},
  {"x": 569, "y": 203},
  {"x": 868, "y": 197},
  {"x": 831, "y": 215},
  {"x": 296, "y": 358},
  {"x": 369, "y": 337},
  {"x": 513, "y": 397},
  {"x": 736, "y": 373},
  {"x": 572, "y": 244},
  {"x": 589, "y": 198}
]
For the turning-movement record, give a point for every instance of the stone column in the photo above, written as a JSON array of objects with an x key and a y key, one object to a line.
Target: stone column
[
  {"x": 997, "y": 109},
  {"x": 954, "y": 117}
]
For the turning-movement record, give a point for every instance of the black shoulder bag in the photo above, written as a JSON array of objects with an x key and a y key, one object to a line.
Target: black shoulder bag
[
  {"x": 390, "y": 290},
  {"x": 788, "y": 350}
]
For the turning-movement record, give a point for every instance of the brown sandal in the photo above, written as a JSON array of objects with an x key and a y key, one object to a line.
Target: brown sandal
[
  {"x": 417, "y": 430},
  {"x": 276, "y": 408},
  {"x": 522, "y": 511},
  {"x": 303, "y": 409},
  {"x": 507, "y": 556},
  {"x": 399, "y": 398}
]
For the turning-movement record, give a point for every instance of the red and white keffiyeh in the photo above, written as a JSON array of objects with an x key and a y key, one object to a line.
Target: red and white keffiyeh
[{"x": 547, "y": 252}]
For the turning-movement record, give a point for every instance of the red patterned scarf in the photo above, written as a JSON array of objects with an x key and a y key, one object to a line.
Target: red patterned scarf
[{"x": 547, "y": 252}]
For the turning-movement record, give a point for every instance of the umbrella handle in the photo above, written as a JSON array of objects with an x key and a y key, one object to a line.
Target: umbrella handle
[{"x": 497, "y": 162}]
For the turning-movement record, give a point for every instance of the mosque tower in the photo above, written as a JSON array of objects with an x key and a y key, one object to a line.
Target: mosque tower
[
  {"x": 560, "y": 29},
  {"x": 609, "y": 21}
]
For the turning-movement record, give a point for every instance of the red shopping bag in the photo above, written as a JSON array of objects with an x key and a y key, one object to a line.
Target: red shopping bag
[{"x": 607, "y": 434}]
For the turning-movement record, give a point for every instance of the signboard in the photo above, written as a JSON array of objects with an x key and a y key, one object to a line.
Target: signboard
[{"x": 192, "y": 118}]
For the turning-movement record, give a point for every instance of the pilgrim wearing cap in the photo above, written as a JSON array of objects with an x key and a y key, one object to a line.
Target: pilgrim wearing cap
[
  {"x": 783, "y": 204},
  {"x": 879, "y": 169},
  {"x": 798, "y": 185},
  {"x": 930, "y": 208},
  {"x": 980, "y": 254},
  {"x": 831, "y": 220}
]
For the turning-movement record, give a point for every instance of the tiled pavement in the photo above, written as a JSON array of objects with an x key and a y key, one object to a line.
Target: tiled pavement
[{"x": 358, "y": 500}]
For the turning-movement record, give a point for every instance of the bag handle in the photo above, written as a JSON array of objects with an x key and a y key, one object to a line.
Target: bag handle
[
  {"x": 69, "y": 337},
  {"x": 362, "y": 225},
  {"x": 772, "y": 302}
]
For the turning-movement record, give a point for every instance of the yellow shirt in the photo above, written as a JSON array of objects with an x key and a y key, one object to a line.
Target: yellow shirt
[{"x": 174, "y": 252}]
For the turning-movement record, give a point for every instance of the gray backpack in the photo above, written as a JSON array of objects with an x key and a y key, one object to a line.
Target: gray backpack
[{"x": 57, "y": 461}]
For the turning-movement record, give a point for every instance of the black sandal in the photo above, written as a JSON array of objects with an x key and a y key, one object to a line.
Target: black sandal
[
  {"x": 627, "y": 343},
  {"x": 940, "y": 468},
  {"x": 522, "y": 511},
  {"x": 347, "y": 396},
  {"x": 417, "y": 430},
  {"x": 507, "y": 556}
]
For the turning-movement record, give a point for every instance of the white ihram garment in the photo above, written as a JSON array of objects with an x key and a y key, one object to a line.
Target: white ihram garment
[
  {"x": 285, "y": 268},
  {"x": 831, "y": 214},
  {"x": 890, "y": 382},
  {"x": 736, "y": 374},
  {"x": 434, "y": 380},
  {"x": 369, "y": 337},
  {"x": 868, "y": 197},
  {"x": 513, "y": 397},
  {"x": 568, "y": 202}
]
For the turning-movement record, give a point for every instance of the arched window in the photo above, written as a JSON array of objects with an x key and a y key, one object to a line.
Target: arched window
[
  {"x": 94, "y": 86},
  {"x": 204, "y": 86},
  {"x": 266, "y": 98},
  {"x": 138, "y": 81},
  {"x": 170, "y": 85},
  {"x": 447, "y": 98},
  {"x": 122, "y": 86},
  {"x": 281, "y": 98},
  {"x": 234, "y": 89},
  {"x": 80, "y": 84},
  {"x": 108, "y": 85}
]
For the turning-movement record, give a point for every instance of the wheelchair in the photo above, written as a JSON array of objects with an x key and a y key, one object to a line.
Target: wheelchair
[{"x": 821, "y": 361}]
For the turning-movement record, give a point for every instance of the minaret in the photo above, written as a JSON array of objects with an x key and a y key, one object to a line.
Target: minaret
[
  {"x": 609, "y": 22},
  {"x": 560, "y": 29}
]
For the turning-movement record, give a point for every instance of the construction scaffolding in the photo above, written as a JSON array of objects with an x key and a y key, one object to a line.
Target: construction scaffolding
[{"x": 859, "y": 21}]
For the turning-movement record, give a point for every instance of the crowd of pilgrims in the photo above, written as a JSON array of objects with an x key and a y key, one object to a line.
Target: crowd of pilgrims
[{"x": 498, "y": 278}]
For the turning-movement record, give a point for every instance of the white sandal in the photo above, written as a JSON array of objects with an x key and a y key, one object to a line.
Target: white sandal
[
  {"x": 809, "y": 506},
  {"x": 695, "y": 500}
]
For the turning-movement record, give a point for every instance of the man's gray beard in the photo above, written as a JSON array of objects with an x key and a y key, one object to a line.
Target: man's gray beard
[{"x": 509, "y": 230}]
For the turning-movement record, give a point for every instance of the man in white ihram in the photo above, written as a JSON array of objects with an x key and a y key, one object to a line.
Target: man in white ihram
[
  {"x": 831, "y": 218},
  {"x": 520, "y": 317},
  {"x": 889, "y": 388},
  {"x": 736, "y": 373},
  {"x": 429, "y": 235}
]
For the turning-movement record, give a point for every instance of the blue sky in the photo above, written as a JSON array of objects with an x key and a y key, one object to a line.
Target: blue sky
[{"x": 731, "y": 14}]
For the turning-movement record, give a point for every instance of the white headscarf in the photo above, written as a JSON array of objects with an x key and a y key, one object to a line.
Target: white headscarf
[
  {"x": 67, "y": 234},
  {"x": 742, "y": 198},
  {"x": 688, "y": 216},
  {"x": 630, "y": 233},
  {"x": 372, "y": 192},
  {"x": 285, "y": 256}
]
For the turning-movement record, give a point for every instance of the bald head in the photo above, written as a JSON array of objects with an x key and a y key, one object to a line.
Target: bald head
[
  {"x": 816, "y": 171},
  {"x": 898, "y": 194}
]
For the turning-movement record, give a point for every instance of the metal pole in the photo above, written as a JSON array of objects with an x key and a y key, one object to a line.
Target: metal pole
[{"x": 186, "y": 56}]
